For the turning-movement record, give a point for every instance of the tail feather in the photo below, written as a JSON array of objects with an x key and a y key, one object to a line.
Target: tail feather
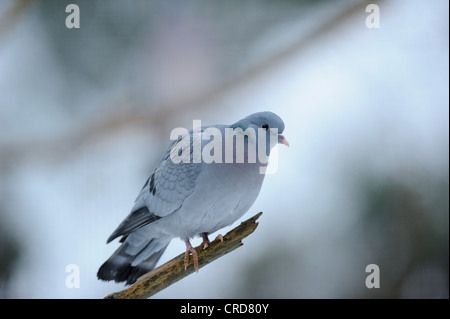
[{"x": 127, "y": 264}]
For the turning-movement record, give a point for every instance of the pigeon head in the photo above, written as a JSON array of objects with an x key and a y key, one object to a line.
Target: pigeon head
[{"x": 268, "y": 121}]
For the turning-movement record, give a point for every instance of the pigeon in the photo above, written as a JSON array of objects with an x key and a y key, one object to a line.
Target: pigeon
[{"x": 193, "y": 197}]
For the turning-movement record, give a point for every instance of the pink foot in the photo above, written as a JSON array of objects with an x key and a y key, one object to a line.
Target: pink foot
[{"x": 190, "y": 249}]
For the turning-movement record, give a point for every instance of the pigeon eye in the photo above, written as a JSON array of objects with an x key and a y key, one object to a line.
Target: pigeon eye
[{"x": 265, "y": 126}]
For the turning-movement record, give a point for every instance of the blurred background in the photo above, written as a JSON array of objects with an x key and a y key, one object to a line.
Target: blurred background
[{"x": 85, "y": 114}]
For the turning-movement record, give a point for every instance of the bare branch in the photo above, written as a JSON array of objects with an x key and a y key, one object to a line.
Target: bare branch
[{"x": 173, "y": 270}]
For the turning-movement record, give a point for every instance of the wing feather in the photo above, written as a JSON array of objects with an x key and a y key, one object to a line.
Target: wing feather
[{"x": 163, "y": 193}]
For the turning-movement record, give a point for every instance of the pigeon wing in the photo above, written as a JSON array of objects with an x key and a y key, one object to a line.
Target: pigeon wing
[{"x": 165, "y": 190}]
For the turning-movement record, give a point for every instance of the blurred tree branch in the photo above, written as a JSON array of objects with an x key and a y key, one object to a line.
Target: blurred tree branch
[
  {"x": 12, "y": 15},
  {"x": 173, "y": 270}
]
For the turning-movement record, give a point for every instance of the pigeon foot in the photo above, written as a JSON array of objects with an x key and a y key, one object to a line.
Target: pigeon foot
[
  {"x": 190, "y": 249},
  {"x": 206, "y": 242}
]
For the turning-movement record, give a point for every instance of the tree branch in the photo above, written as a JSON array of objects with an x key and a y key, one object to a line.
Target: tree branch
[{"x": 173, "y": 270}]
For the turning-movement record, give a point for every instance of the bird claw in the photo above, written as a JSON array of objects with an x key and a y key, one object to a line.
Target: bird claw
[
  {"x": 205, "y": 244},
  {"x": 194, "y": 257},
  {"x": 190, "y": 249}
]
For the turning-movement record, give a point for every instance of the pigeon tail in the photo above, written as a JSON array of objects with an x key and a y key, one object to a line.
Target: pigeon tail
[{"x": 130, "y": 262}]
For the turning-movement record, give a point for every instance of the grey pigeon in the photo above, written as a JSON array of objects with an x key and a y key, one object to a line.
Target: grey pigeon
[{"x": 193, "y": 198}]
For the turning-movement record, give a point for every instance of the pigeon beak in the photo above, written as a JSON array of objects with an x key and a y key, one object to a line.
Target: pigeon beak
[{"x": 283, "y": 140}]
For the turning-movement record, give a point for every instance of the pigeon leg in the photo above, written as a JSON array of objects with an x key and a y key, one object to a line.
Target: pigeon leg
[
  {"x": 206, "y": 241},
  {"x": 190, "y": 249}
]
